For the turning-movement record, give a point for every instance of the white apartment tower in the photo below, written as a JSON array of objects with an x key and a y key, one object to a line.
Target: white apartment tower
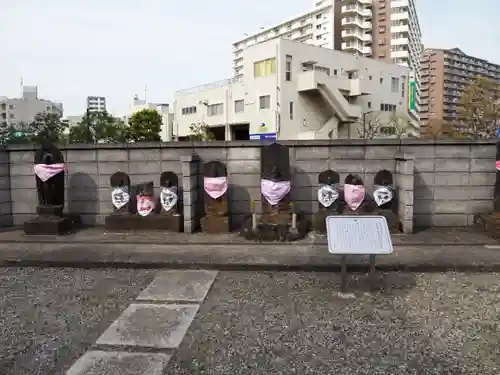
[
  {"x": 96, "y": 104},
  {"x": 382, "y": 29}
]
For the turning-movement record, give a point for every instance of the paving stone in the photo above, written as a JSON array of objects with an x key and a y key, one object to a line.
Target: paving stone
[
  {"x": 179, "y": 285},
  {"x": 148, "y": 325},
  {"x": 119, "y": 363}
]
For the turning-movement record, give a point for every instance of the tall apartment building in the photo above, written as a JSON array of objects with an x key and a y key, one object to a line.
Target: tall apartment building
[
  {"x": 96, "y": 103},
  {"x": 446, "y": 73},
  {"x": 17, "y": 111},
  {"x": 383, "y": 29}
]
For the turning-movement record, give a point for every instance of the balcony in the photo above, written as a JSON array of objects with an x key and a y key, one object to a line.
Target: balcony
[
  {"x": 367, "y": 38},
  {"x": 367, "y": 13},
  {"x": 352, "y": 9},
  {"x": 351, "y": 34},
  {"x": 352, "y": 21},
  {"x": 352, "y": 47},
  {"x": 367, "y": 25},
  {"x": 400, "y": 42}
]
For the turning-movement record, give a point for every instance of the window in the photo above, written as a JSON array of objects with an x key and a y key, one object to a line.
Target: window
[
  {"x": 403, "y": 89},
  {"x": 318, "y": 17},
  {"x": 322, "y": 69},
  {"x": 381, "y": 80},
  {"x": 387, "y": 107},
  {"x": 11, "y": 106},
  {"x": 188, "y": 110},
  {"x": 288, "y": 68},
  {"x": 381, "y": 29},
  {"x": 394, "y": 84},
  {"x": 215, "y": 109},
  {"x": 369, "y": 104},
  {"x": 381, "y": 42},
  {"x": 264, "y": 68},
  {"x": 335, "y": 72},
  {"x": 239, "y": 106},
  {"x": 265, "y": 102},
  {"x": 290, "y": 106},
  {"x": 370, "y": 78}
]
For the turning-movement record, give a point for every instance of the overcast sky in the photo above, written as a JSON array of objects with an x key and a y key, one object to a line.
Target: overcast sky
[{"x": 113, "y": 48}]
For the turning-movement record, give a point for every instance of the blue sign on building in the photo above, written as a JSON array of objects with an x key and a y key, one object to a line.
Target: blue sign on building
[
  {"x": 498, "y": 132},
  {"x": 263, "y": 136}
]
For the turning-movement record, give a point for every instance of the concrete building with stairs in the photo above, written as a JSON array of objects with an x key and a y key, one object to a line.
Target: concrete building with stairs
[{"x": 293, "y": 90}]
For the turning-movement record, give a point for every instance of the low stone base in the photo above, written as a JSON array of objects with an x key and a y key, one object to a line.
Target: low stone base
[
  {"x": 52, "y": 225},
  {"x": 489, "y": 223},
  {"x": 215, "y": 224},
  {"x": 130, "y": 222},
  {"x": 266, "y": 232},
  {"x": 392, "y": 220}
]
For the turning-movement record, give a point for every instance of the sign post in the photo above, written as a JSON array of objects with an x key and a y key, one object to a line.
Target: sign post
[{"x": 358, "y": 235}]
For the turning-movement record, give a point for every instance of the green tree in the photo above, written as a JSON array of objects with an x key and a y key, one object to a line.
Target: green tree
[
  {"x": 46, "y": 126},
  {"x": 479, "y": 111},
  {"x": 145, "y": 126},
  {"x": 14, "y": 135},
  {"x": 98, "y": 127},
  {"x": 200, "y": 132}
]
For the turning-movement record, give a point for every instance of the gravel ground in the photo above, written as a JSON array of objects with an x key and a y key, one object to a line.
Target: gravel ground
[
  {"x": 295, "y": 323},
  {"x": 49, "y": 317}
]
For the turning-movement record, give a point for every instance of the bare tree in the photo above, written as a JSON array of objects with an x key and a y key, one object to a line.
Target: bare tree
[
  {"x": 200, "y": 132},
  {"x": 370, "y": 127}
]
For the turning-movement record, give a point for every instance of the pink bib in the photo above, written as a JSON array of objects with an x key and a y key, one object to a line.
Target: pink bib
[
  {"x": 273, "y": 191},
  {"x": 354, "y": 195},
  {"x": 497, "y": 164},
  {"x": 215, "y": 187},
  {"x": 47, "y": 171}
]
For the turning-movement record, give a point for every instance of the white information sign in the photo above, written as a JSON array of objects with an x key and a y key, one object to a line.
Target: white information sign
[{"x": 362, "y": 235}]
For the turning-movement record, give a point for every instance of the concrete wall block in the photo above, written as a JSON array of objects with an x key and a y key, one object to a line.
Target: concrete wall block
[
  {"x": 147, "y": 154},
  {"x": 303, "y": 179},
  {"x": 28, "y": 196},
  {"x": 106, "y": 208},
  {"x": 211, "y": 154},
  {"x": 6, "y": 221},
  {"x": 83, "y": 207},
  {"x": 420, "y": 151},
  {"x": 174, "y": 154},
  {"x": 424, "y": 193},
  {"x": 18, "y": 219},
  {"x": 443, "y": 220},
  {"x": 152, "y": 167},
  {"x": 243, "y": 153},
  {"x": 82, "y": 181},
  {"x": 483, "y": 151},
  {"x": 87, "y": 194},
  {"x": 480, "y": 179},
  {"x": 21, "y": 157},
  {"x": 171, "y": 166},
  {"x": 104, "y": 194},
  {"x": 482, "y": 165},
  {"x": 22, "y": 169},
  {"x": 451, "y": 179},
  {"x": 452, "y": 165},
  {"x": 424, "y": 179},
  {"x": 109, "y": 168},
  {"x": 453, "y": 151},
  {"x": 237, "y": 193},
  {"x": 4, "y": 157},
  {"x": 407, "y": 226},
  {"x": 81, "y": 156},
  {"x": 5, "y": 196},
  {"x": 312, "y": 153},
  {"x": 188, "y": 168},
  {"x": 339, "y": 166},
  {"x": 381, "y": 152},
  {"x": 373, "y": 166},
  {"x": 22, "y": 182},
  {"x": 105, "y": 155},
  {"x": 245, "y": 180},
  {"x": 83, "y": 167},
  {"x": 425, "y": 165},
  {"x": 189, "y": 184},
  {"x": 4, "y": 170},
  {"x": 347, "y": 152},
  {"x": 244, "y": 167},
  {"x": 463, "y": 193},
  {"x": 406, "y": 211},
  {"x": 22, "y": 207},
  {"x": 5, "y": 208}
]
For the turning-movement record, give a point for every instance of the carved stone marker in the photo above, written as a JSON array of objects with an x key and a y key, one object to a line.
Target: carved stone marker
[
  {"x": 384, "y": 195},
  {"x": 144, "y": 216},
  {"x": 491, "y": 222},
  {"x": 215, "y": 186},
  {"x": 49, "y": 170},
  {"x": 279, "y": 220},
  {"x": 328, "y": 199}
]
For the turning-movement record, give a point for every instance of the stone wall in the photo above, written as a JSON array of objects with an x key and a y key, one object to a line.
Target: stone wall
[
  {"x": 5, "y": 198},
  {"x": 440, "y": 183}
]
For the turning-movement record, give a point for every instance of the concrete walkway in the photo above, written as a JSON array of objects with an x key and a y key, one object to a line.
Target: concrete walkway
[{"x": 459, "y": 250}]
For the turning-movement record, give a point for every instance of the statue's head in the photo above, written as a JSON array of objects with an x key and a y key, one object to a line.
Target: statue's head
[
  {"x": 48, "y": 158},
  {"x": 353, "y": 179}
]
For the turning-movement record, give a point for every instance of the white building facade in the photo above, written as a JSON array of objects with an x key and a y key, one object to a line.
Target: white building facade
[
  {"x": 96, "y": 104},
  {"x": 293, "y": 90}
]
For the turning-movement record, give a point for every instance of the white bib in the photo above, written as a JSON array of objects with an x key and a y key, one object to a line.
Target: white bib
[
  {"x": 382, "y": 195},
  {"x": 327, "y": 195},
  {"x": 145, "y": 205},
  {"x": 168, "y": 198},
  {"x": 120, "y": 197}
]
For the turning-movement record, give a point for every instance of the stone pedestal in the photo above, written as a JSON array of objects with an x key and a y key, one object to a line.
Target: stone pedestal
[
  {"x": 216, "y": 219},
  {"x": 119, "y": 222},
  {"x": 51, "y": 221}
]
